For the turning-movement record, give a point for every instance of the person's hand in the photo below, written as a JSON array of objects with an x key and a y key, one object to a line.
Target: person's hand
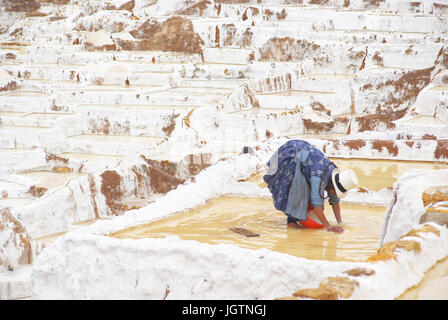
[{"x": 335, "y": 229}]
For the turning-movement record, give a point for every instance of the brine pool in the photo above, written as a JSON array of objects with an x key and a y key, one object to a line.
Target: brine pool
[{"x": 212, "y": 221}]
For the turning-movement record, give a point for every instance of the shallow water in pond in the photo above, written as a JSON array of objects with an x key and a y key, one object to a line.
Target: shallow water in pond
[
  {"x": 378, "y": 174},
  {"x": 433, "y": 286},
  {"x": 211, "y": 223},
  {"x": 372, "y": 175}
]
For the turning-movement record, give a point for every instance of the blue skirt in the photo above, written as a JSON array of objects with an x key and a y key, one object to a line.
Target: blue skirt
[{"x": 289, "y": 188}]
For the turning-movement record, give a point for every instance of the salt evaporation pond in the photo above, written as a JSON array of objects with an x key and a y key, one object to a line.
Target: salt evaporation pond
[{"x": 212, "y": 221}]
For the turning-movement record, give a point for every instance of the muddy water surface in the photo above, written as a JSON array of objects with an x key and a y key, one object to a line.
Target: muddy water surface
[{"x": 211, "y": 223}]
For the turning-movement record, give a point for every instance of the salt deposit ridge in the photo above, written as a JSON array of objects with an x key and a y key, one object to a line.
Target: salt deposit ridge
[{"x": 117, "y": 113}]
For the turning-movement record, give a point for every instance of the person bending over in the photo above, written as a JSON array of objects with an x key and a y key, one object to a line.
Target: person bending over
[{"x": 298, "y": 177}]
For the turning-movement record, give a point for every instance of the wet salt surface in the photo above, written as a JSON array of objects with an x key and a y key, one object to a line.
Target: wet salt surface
[
  {"x": 137, "y": 106},
  {"x": 116, "y": 138},
  {"x": 26, "y": 94},
  {"x": 46, "y": 116},
  {"x": 296, "y": 93},
  {"x": 305, "y": 136},
  {"x": 51, "y": 180},
  {"x": 425, "y": 121},
  {"x": 433, "y": 286},
  {"x": 211, "y": 223},
  {"x": 439, "y": 88},
  {"x": 12, "y": 113},
  {"x": 23, "y": 128},
  {"x": 91, "y": 157},
  {"x": 52, "y": 237},
  {"x": 215, "y": 84},
  {"x": 15, "y": 202}
]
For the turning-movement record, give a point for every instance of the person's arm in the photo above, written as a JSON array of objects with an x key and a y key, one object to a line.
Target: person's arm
[
  {"x": 317, "y": 202},
  {"x": 334, "y": 201},
  {"x": 337, "y": 212}
]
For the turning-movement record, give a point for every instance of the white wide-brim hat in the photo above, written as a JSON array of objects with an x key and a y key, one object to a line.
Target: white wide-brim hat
[{"x": 343, "y": 181}]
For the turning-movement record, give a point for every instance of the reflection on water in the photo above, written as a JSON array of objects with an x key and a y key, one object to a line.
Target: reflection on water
[{"x": 211, "y": 222}]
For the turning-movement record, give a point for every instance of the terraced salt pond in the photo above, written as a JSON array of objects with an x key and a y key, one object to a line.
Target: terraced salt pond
[
  {"x": 117, "y": 138},
  {"x": 378, "y": 174},
  {"x": 373, "y": 175},
  {"x": 212, "y": 221},
  {"x": 51, "y": 180},
  {"x": 110, "y": 144},
  {"x": 15, "y": 202},
  {"x": 101, "y": 158},
  {"x": 45, "y": 116}
]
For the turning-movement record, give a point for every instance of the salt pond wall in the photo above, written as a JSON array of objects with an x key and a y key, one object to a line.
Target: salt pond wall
[{"x": 407, "y": 208}]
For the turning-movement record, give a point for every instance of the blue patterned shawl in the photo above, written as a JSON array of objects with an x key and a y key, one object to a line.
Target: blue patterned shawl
[{"x": 293, "y": 161}]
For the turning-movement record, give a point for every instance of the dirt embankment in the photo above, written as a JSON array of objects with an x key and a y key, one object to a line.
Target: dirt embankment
[
  {"x": 288, "y": 49},
  {"x": 21, "y": 5},
  {"x": 14, "y": 239},
  {"x": 174, "y": 35},
  {"x": 399, "y": 94},
  {"x": 146, "y": 179},
  {"x": 111, "y": 189}
]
